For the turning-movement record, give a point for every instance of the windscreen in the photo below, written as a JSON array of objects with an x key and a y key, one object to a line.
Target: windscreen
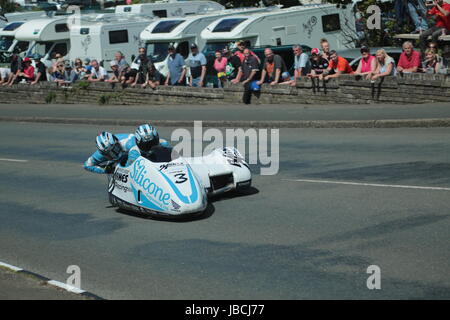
[
  {"x": 5, "y": 42},
  {"x": 167, "y": 26},
  {"x": 227, "y": 25},
  {"x": 157, "y": 51}
]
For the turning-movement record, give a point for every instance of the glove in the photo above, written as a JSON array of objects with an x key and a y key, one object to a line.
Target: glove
[{"x": 109, "y": 169}]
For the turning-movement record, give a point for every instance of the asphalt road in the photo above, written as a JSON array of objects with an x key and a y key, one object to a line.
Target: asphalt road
[{"x": 288, "y": 240}]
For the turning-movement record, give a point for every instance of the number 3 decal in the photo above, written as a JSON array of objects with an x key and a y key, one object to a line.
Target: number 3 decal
[{"x": 181, "y": 178}]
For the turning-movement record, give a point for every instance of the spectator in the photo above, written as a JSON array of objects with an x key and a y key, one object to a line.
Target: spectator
[
  {"x": 140, "y": 63},
  {"x": 240, "y": 51},
  {"x": 80, "y": 69},
  {"x": 247, "y": 73},
  {"x": 367, "y": 64},
  {"x": 57, "y": 57},
  {"x": 16, "y": 64},
  {"x": 177, "y": 71},
  {"x": 129, "y": 75},
  {"x": 318, "y": 63},
  {"x": 234, "y": 63},
  {"x": 87, "y": 65},
  {"x": 119, "y": 58},
  {"x": 65, "y": 74},
  {"x": 385, "y": 66},
  {"x": 337, "y": 67},
  {"x": 440, "y": 11},
  {"x": 302, "y": 65},
  {"x": 41, "y": 74},
  {"x": 98, "y": 73},
  {"x": 416, "y": 10},
  {"x": 220, "y": 65},
  {"x": 431, "y": 62},
  {"x": 4, "y": 75},
  {"x": 115, "y": 77},
  {"x": 196, "y": 62},
  {"x": 154, "y": 78},
  {"x": 25, "y": 74},
  {"x": 57, "y": 72},
  {"x": 409, "y": 59},
  {"x": 324, "y": 44},
  {"x": 274, "y": 66}
]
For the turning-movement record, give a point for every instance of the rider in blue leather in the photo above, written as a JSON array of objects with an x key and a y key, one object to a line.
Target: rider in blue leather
[
  {"x": 146, "y": 137},
  {"x": 112, "y": 148}
]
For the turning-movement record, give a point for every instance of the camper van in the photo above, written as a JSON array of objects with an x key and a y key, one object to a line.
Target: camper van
[
  {"x": 182, "y": 32},
  {"x": 21, "y": 16},
  {"x": 172, "y": 8},
  {"x": 9, "y": 44},
  {"x": 304, "y": 25},
  {"x": 46, "y": 36}
]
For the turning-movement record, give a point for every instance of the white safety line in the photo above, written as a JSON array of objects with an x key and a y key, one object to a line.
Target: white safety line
[
  {"x": 11, "y": 267},
  {"x": 368, "y": 184},
  {"x": 65, "y": 286},
  {"x": 13, "y": 160}
]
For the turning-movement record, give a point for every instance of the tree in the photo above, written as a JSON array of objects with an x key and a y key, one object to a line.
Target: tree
[{"x": 7, "y": 6}]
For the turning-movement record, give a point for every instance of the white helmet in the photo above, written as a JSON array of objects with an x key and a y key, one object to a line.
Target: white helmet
[
  {"x": 108, "y": 144},
  {"x": 146, "y": 137}
]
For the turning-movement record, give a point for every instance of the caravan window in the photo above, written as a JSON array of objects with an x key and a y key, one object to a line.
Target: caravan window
[
  {"x": 331, "y": 22},
  {"x": 62, "y": 27},
  {"x": 227, "y": 25},
  {"x": 60, "y": 48},
  {"x": 167, "y": 26},
  {"x": 160, "y": 13},
  {"x": 119, "y": 36},
  {"x": 84, "y": 31},
  {"x": 127, "y": 9}
]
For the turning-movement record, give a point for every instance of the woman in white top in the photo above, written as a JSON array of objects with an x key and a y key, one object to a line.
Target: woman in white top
[{"x": 386, "y": 66}]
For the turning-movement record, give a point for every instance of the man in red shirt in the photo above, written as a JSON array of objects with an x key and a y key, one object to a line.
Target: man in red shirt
[
  {"x": 409, "y": 59},
  {"x": 25, "y": 73},
  {"x": 440, "y": 11},
  {"x": 336, "y": 67}
]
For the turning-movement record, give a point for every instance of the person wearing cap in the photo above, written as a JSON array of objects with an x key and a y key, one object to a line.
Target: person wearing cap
[
  {"x": 98, "y": 73},
  {"x": 233, "y": 63},
  {"x": 367, "y": 64},
  {"x": 25, "y": 73},
  {"x": 115, "y": 77},
  {"x": 87, "y": 65},
  {"x": 241, "y": 46},
  {"x": 176, "y": 66},
  {"x": 41, "y": 74},
  {"x": 196, "y": 62},
  {"x": 318, "y": 63}
]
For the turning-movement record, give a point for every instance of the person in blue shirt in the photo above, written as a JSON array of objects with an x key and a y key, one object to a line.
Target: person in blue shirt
[
  {"x": 196, "y": 63},
  {"x": 112, "y": 149},
  {"x": 176, "y": 66}
]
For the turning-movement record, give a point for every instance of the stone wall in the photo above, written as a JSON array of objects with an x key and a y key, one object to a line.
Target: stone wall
[{"x": 410, "y": 88}]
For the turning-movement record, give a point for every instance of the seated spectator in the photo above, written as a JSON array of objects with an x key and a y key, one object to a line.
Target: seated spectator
[
  {"x": 431, "y": 63},
  {"x": 87, "y": 66},
  {"x": 115, "y": 77},
  {"x": 302, "y": 65},
  {"x": 129, "y": 75},
  {"x": 65, "y": 74},
  {"x": 318, "y": 63},
  {"x": 41, "y": 74},
  {"x": 154, "y": 78},
  {"x": 56, "y": 58},
  {"x": 57, "y": 72},
  {"x": 440, "y": 11},
  {"x": 367, "y": 64},
  {"x": 196, "y": 63},
  {"x": 177, "y": 70},
  {"x": 80, "y": 69},
  {"x": 274, "y": 66},
  {"x": 140, "y": 63},
  {"x": 119, "y": 58},
  {"x": 220, "y": 65},
  {"x": 14, "y": 67},
  {"x": 247, "y": 74},
  {"x": 233, "y": 65},
  {"x": 409, "y": 59},
  {"x": 325, "y": 45},
  {"x": 385, "y": 66},
  {"x": 415, "y": 9},
  {"x": 337, "y": 67},
  {"x": 25, "y": 74},
  {"x": 98, "y": 73}
]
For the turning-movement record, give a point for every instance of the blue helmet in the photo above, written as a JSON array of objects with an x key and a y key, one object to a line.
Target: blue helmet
[
  {"x": 146, "y": 137},
  {"x": 108, "y": 144},
  {"x": 254, "y": 86}
]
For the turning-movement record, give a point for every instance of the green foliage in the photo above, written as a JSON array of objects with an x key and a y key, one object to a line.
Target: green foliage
[
  {"x": 50, "y": 98},
  {"x": 8, "y": 5},
  {"x": 83, "y": 84}
]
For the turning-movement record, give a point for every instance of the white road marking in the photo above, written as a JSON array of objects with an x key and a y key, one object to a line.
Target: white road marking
[
  {"x": 13, "y": 160},
  {"x": 65, "y": 286},
  {"x": 369, "y": 184},
  {"x": 8, "y": 266}
]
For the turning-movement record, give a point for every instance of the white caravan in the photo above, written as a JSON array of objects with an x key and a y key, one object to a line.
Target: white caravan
[
  {"x": 46, "y": 36},
  {"x": 304, "y": 25},
  {"x": 21, "y": 16},
  {"x": 171, "y": 8},
  {"x": 182, "y": 32}
]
